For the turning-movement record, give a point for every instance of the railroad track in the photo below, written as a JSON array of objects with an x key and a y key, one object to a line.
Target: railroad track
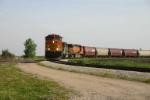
[{"x": 104, "y": 66}]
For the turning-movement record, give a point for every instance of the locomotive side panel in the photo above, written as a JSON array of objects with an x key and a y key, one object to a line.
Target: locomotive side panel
[
  {"x": 115, "y": 52},
  {"x": 75, "y": 49},
  {"x": 102, "y": 52},
  {"x": 89, "y": 51},
  {"x": 70, "y": 48},
  {"x": 144, "y": 53}
]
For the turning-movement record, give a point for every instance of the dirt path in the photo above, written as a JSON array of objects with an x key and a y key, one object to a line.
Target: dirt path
[{"x": 93, "y": 87}]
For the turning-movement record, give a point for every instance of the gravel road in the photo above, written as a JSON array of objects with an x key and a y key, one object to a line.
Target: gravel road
[{"x": 92, "y": 87}]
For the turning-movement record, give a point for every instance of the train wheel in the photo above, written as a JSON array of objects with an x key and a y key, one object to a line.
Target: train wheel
[
  {"x": 70, "y": 55},
  {"x": 81, "y": 56}
]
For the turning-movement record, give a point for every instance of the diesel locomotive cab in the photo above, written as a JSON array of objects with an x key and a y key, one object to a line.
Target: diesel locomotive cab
[{"x": 53, "y": 46}]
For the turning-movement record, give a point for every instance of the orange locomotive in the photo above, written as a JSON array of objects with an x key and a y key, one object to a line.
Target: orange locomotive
[
  {"x": 53, "y": 46},
  {"x": 56, "y": 49},
  {"x": 76, "y": 51}
]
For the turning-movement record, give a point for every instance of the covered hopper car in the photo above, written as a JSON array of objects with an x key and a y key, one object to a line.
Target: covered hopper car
[
  {"x": 144, "y": 53},
  {"x": 102, "y": 52},
  {"x": 130, "y": 53},
  {"x": 89, "y": 51},
  {"x": 115, "y": 52}
]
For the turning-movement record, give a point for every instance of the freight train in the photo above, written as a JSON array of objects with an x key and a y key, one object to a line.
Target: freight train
[{"x": 56, "y": 49}]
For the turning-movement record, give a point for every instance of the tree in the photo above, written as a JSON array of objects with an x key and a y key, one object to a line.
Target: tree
[{"x": 30, "y": 48}]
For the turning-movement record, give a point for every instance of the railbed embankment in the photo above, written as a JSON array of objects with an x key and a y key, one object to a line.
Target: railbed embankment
[{"x": 97, "y": 71}]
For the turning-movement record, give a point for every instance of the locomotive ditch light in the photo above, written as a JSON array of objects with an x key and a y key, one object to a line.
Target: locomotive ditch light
[
  {"x": 57, "y": 49},
  {"x": 53, "y": 41}
]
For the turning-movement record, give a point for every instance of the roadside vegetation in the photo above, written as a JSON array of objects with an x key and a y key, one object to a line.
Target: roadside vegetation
[
  {"x": 38, "y": 59},
  {"x": 128, "y": 62},
  {"x": 6, "y": 55},
  {"x": 17, "y": 85}
]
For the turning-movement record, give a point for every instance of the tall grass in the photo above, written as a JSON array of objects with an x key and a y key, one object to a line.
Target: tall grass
[{"x": 15, "y": 85}]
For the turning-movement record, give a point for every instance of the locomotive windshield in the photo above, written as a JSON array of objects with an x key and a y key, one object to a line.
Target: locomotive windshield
[
  {"x": 58, "y": 38},
  {"x": 53, "y": 38},
  {"x": 49, "y": 38}
]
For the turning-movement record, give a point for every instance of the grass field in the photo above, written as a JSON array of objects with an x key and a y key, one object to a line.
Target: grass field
[
  {"x": 17, "y": 85},
  {"x": 38, "y": 59},
  {"x": 128, "y": 62}
]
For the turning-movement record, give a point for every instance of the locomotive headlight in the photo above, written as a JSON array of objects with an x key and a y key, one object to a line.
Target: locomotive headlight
[
  {"x": 48, "y": 49},
  {"x": 53, "y": 41}
]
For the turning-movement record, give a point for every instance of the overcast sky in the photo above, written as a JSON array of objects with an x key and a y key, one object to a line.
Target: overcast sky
[{"x": 96, "y": 23}]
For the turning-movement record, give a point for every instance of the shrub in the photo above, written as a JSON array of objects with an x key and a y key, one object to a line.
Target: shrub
[{"x": 7, "y": 55}]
